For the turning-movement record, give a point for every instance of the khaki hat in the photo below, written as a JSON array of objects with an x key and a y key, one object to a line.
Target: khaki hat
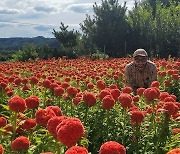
[{"x": 140, "y": 52}]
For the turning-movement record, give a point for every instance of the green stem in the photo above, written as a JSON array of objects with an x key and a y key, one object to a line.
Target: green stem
[
  {"x": 14, "y": 123},
  {"x": 86, "y": 114}
]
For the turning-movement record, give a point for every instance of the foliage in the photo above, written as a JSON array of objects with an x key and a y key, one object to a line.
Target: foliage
[
  {"x": 27, "y": 53},
  {"x": 157, "y": 131},
  {"x": 108, "y": 30}
]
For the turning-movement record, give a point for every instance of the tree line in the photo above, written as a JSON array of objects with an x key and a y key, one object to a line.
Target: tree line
[
  {"x": 115, "y": 31},
  {"x": 151, "y": 24}
]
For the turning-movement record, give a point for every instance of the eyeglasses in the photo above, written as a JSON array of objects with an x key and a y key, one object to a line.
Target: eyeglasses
[{"x": 138, "y": 60}]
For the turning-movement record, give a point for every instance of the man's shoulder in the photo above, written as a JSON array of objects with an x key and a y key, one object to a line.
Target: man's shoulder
[{"x": 151, "y": 64}]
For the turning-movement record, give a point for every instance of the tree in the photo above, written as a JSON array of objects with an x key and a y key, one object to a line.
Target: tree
[
  {"x": 68, "y": 39},
  {"x": 108, "y": 30}
]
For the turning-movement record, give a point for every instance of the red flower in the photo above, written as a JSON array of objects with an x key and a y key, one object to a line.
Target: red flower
[
  {"x": 108, "y": 102},
  {"x": 176, "y": 131},
  {"x": 9, "y": 93},
  {"x": 155, "y": 84},
  {"x": 113, "y": 86},
  {"x": 77, "y": 150},
  {"x": 163, "y": 95},
  {"x": 151, "y": 93},
  {"x": 137, "y": 117},
  {"x": 169, "y": 99},
  {"x": 140, "y": 91},
  {"x": 72, "y": 91},
  {"x": 29, "y": 124},
  {"x": 43, "y": 115},
  {"x": 115, "y": 93},
  {"x": 112, "y": 147},
  {"x": 135, "y": 99},
  {"x": 76, "y": 100},
  {"x": 34, "y": 80},
  {"x": 32, "y": 102},
  {"x": 70, "y": 131},
  {"x": 58, "y": 91},
  {"x": 125, "y": 100},
  {"x": 17, "y": 81},
  {"x": 17, "y": 103},
  {"x": 167, "y": 83},
  {"x": 3, "y": 122},
  {"x": 171, "y": 108},
  {"x": 127, "y": 90},
  {"x": 53, "y": 123},
  {"x": 103, "y": 93},
  {"x": 65, "y": 85},
  {"x": 57, "y": 110},
  {"x": 1, "y": 149},
  {"x": 46, "y": 83},
  {"x": 89, "y": 98},
  {"x": 20, "y": 143},
  {"x": 101, "y": 84},
  {"x": 174, "y": 151},
  {"x": 90, "y": 86}
]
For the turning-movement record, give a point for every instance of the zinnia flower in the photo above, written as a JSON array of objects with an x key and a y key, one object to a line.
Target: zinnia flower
[
  {"x": 43, "y": 115},
  {"x": 112, "y": 147},
  {"x": 17, "y": 103},
  {"x": 174, "y": 151},
  {"x": 103, "y": 93},
  {"x": 140, "y": 91},
  {"x": 125, "y": 100},
  {"x": 171, "y": 108},
  {"x": 101, "y": 84},
  {"x": 72, "y": 91},
  {"x": 77, "y": 150},
  {"x": 20, "y": 143},
  {"x": 29, "y": 124},
  {"x": 57, "y": 110},
  {"x": 137, "y": 117},
  {"x": 155, "y": 84},
  {"x": 53, "y": 123},
  {"x": 1, "y": 149},
  {"x": 115, "y": 93},
  {"x": 108, "y": 102},
  {"x": 70, "y": 131},
  {"x": 89, "y": 98},
  {"x": 151, "y": 93},
  {"x": 127, "y": 90},
  {"x": 3, "y": 122},
  {"x": 32, "y": 102},
  {"x": 58, "y": 91}
]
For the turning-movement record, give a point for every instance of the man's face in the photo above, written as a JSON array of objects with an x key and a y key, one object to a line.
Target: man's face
[{"x": 140, "y": 62}]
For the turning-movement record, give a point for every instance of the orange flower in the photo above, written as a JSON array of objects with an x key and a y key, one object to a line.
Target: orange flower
[
  {"x": 112, "y": 147},
  {"x": 108, "y": 102},
  {"x": 1, "y": 149},
  {"x": 89, "y": 98},
  {"x": 125, "y": 100},
  {"x": 17, "y": 103},
  {"x": 20, "y": 143},
  {"x": 174, "y": 151}
]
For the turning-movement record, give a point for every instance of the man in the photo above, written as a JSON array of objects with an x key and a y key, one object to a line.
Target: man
[{"x": 141, "y": 72}]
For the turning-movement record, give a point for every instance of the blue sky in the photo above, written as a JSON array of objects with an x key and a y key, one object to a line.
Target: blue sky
[{"x": 31, "y": 18}]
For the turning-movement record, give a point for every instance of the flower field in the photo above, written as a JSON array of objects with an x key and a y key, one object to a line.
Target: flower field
[{"x": 83, "y": 106}]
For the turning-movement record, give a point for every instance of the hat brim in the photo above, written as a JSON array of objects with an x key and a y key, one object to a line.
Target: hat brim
[{"x": 141, "y": 55}]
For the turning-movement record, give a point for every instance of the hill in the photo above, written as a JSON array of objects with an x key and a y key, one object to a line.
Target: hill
[{"x": 16, "y": 43}]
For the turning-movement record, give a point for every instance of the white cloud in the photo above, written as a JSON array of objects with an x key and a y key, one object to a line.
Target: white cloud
[
  {"x": 10, "y": 11},
  {"x": 80, "y": 8},
  {"x": 29, "y": 18}
]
